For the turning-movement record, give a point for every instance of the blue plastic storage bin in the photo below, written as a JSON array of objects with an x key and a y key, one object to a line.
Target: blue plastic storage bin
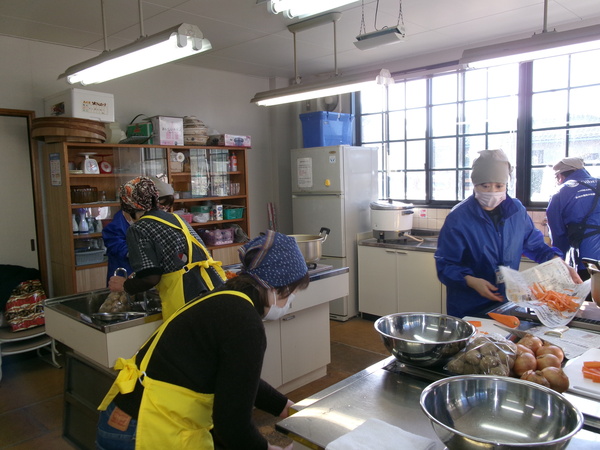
[{"x": 323, "y": 128}]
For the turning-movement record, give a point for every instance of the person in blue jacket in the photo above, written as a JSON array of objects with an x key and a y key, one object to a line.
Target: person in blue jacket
[
  {"x": 114, "y": 234},
  {"x": 487, "y": 230},
  {"x": 573, "y": 213}
]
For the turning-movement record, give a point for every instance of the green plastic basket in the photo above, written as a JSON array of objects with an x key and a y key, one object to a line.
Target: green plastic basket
[{"x": 230, "y": 213}]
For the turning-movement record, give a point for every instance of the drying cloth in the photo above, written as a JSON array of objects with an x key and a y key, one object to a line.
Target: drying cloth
[{"x": 377, "y": 434}]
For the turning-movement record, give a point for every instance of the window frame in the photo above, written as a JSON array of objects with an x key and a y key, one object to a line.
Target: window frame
[{"x": 522, "y": 175}]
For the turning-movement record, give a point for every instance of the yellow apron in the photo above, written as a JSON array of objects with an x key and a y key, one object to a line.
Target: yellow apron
[
  {"x": 170, "y": 416},
  {"x": 170, "y": 287}
]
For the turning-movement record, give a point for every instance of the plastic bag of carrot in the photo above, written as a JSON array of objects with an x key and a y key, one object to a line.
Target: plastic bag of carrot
[{"x": 547, "y": 289}]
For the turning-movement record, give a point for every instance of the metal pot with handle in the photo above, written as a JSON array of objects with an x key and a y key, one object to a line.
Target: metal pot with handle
[
  {"x": 311, "y": 244},
  {"x": 593, "y": 267}
]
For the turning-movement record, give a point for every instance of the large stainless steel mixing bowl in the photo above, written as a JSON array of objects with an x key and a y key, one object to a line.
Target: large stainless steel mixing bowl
[
  {"x": 424, "y": 339},
  {"x": 482, "y": 412}
]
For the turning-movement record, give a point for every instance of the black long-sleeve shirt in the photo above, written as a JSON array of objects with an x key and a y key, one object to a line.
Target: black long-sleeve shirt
[{"x": 217, "y": 346}]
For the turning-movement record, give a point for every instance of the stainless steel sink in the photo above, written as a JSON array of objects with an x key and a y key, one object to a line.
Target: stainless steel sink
[{"x": 82, "y": 307}]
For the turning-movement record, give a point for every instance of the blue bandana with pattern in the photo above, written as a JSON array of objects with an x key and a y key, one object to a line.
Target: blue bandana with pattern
[{"x": 274, "y": 260}]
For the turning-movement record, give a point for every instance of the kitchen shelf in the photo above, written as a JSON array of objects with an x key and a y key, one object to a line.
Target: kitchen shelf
[{"x": 128, "y": 161}]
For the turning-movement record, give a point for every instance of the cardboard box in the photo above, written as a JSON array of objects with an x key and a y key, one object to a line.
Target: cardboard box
[
  {"x": 81, "y": 104},
  {"x": 167, "y": 130},
  {"x": 229, "y": 140}
]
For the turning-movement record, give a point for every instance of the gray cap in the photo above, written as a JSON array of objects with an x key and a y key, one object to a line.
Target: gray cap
[
  {"x": 492, "y": 166},
  {"x": 568, "y": 164},
  {"x": 163, "y": 188}
]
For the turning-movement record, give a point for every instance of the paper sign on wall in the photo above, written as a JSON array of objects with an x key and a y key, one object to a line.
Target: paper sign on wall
[{"x": 55, "y": 174}]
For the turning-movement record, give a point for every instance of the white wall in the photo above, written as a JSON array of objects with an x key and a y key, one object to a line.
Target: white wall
[{"x": 220, "y": 99}]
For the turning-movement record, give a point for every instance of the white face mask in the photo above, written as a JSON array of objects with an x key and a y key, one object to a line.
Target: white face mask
[
  {"x": 490, "y": 199},
  {"x": 276, "y": 312}
]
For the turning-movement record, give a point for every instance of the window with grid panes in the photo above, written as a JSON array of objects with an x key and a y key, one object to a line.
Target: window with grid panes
[{"x": 429, "y": 130}]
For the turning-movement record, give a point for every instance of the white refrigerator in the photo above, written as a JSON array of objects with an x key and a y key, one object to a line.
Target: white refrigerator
[{"x": 332, "y": 187}]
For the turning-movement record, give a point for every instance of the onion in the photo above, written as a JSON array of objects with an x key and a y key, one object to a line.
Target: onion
[
  {"x": 536, "y": 376},
  {"x": 523, "y": 363},
  {"x": 558, "y": 379},
  {"x": 548, "y": 360},
  {"x": 531, "y": 341},
  {"x": 551, "y": 349},
  {"x": 523, "y": 349}
]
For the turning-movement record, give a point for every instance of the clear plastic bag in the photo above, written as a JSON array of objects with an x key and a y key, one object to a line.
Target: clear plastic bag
[
  {"x": 489, "y": 354},
  {"x": 115, "y": 302}
]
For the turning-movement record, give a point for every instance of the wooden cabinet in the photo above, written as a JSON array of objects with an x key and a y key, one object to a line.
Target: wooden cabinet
[
  {"x": 392, "y": 280},
  {"x": 76, "y": 258}
]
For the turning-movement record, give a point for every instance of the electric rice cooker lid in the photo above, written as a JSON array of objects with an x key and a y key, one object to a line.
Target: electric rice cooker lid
[{"x": 390, "y": 205}]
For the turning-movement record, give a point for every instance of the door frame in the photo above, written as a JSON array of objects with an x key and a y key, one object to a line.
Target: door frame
[{"x": 40, "y": 231}]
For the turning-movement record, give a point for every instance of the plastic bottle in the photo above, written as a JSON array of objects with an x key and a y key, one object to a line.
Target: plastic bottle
[{"x": 233, "y": 163}]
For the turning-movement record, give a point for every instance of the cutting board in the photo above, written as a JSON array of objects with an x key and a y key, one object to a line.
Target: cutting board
[{"x": 578, "y": 384}]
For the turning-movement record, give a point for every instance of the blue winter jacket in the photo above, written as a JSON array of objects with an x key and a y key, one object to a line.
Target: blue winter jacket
[
  {"x": 470, "y": 244},
  {"x": 570, "y": 205},
  {"x": 115, "y": 241}
]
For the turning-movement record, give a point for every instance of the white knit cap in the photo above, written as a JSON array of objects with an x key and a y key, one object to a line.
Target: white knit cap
[
  {"x": 492, "y": 166},
  {"x": 568, "y": 164}
]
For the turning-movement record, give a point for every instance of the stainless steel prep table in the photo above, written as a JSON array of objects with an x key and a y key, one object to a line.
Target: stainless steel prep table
[{"x": 385, "y": 391}]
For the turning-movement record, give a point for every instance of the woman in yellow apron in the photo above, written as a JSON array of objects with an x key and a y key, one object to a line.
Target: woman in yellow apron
[
  {"x": 163, "y": 251},
  {"x": 197, "y": 379}
]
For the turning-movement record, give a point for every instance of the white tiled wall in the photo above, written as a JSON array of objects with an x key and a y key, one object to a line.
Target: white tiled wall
[{"x": 433, "y": 219}]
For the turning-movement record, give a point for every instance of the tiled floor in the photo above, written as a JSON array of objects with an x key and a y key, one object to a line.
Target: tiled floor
[{"x": 31, "y": 391}]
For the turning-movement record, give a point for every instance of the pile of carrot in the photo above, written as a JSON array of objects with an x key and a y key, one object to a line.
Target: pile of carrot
[
  {"x": 591, "y": 370},
  {"x": 558, "y": 301}
]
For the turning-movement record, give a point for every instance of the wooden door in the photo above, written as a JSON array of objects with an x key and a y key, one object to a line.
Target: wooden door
[{"x": 21, "y": 239}]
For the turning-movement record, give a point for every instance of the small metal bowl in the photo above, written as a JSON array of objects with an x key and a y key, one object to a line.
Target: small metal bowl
[
  {"x": 424, "y": 339},
  {"x": 483, "y": 412}
]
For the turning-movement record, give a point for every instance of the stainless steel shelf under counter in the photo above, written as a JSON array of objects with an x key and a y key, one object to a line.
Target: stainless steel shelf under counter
[{"x": 389, "y": 391}]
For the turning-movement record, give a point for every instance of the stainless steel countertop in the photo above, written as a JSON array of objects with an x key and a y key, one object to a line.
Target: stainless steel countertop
[{"x": 392, "y": 397}]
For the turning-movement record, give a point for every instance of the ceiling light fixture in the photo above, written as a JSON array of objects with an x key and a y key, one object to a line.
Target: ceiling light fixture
[
  {"x": 379, "y": 38},
  {"x": 304, "y": 8},
  {"x": 543, "y": 45},
  {"x": 334, "y": 85},
  {"x": 178, "y": 42},
  {"x": 384, "y": 36}
]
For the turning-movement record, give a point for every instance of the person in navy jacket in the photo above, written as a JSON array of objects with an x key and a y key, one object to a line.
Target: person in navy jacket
[
  {"x": 487, "y": 230},
  {"x": 574, "y": 213}
]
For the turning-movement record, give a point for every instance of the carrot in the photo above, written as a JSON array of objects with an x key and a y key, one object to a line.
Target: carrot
[
  {"x": 559, "y": 301},
  {"x": 504, "y": 319},
  {"x": 592, "y": 364},
  {"x": 591, "y": 374},
  {"x": 475, "y": 323}
]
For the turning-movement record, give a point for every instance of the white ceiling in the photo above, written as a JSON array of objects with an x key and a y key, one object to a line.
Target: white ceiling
[{"x": 248, "y": 39}]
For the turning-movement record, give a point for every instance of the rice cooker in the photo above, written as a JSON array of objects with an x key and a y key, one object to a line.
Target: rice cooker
[{"x": 391, "y": 219}]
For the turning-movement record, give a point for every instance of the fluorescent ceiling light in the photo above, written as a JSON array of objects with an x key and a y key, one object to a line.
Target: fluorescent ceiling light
[
  {"x": 304, "y": 8},
  {"x": 169, "y": 45},
  {"x": 543, "y": 45},
  {"x": 378, "y": 38},
  {"x": 332, "y": 86}
]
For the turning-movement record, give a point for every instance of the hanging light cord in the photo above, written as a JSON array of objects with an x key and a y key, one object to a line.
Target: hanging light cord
[
  {"x": 141, "y": 19},
  {"x": 104, "y": 26},
  {"x": 363, "y": 28}
]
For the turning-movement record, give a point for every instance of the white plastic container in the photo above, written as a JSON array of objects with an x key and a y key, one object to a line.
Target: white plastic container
[{"x": 81, "y": 104}]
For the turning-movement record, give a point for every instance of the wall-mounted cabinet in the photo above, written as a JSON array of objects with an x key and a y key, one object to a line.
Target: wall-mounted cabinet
[{"x": 210, "y": 186}]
